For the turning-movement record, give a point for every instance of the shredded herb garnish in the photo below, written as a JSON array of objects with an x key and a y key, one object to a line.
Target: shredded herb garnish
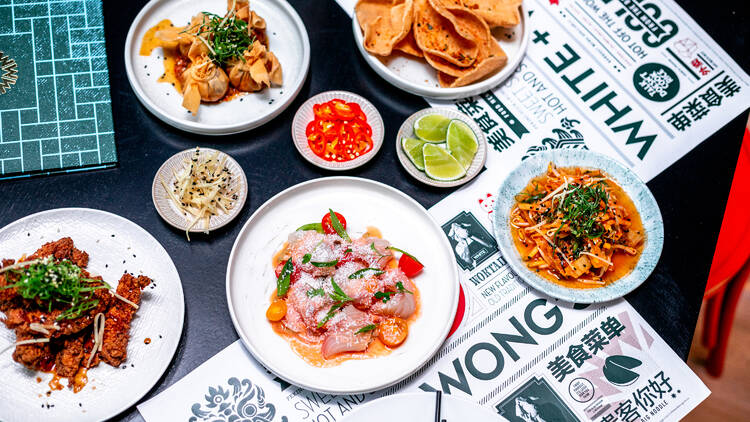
[
  {"x": 402, "y": 289},
  {"x": 57, "y": 283},
  {"x": 226, "y": 36},
  {"x": 579, "y": 210},
  {"x": 366, "y": 329}
]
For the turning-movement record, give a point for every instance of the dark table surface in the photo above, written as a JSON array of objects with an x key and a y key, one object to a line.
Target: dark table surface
[{"x": 669, "y": 300}]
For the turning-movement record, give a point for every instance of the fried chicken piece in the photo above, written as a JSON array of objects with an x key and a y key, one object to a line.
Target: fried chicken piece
[
  {"x": 62, "y": 249},
  {"x": 33, "y": 356},
  {"x": 118, "y": 318},
  {"x": 68, "y": 360}
]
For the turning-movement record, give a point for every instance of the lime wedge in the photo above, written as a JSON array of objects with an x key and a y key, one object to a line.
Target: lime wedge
[
  {"x": 461, "y": 142},
  {"x": 431, "y": 128},
  {"x": 439, "y": 164},
  {"x": 413, "y": 149}
]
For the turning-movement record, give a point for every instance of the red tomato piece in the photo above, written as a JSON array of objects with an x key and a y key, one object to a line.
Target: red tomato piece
[
  {"x": 409, "y": 266},
  {"x": 326, "y": 223}
]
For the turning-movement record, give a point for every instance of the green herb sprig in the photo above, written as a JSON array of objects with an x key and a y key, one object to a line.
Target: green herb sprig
[
  {"x": 340, "y": 298},
  {"x": 579, "y": 210},
  {"x": 366, "y": 329},
  {"x": 227, "y": 37},
  {"x": 284, "y": 279}
]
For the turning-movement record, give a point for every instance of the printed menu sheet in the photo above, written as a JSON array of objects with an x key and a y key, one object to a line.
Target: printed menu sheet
[
  {"x": 527, "y": 356},
  {"x": 638, "y": 80}
]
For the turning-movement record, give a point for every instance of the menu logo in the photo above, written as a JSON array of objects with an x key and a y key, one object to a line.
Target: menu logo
[
  {"x": 472, "y": 243},
  {"x": 8, "y": 73},
  {"x": 240, "y": 401}
]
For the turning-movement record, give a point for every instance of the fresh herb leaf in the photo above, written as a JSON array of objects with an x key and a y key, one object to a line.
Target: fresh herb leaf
[
  {"x": 330, "y": 314},
  {"x": 285, "y": 278},
  {"x": 384, "y": 296},
  {"x": 318, "y": 227},
  {"x": 402, "y": 289},
  {"x": 348, "y": 250},
  {"x": 325, "y": 264},
  {"x": 366, "y": 329},
  {"x": 306, "y": 258},
  {"x": 338, "y": 294},
  {"x": 405, "y": 253},
  {"x": 336, "y": 224},
  {"x": 316, "y": 292},
  {"x": 366, "y": 272},
  {"x": 372, "y": 246},
  {"x": 579, "y": 210}
]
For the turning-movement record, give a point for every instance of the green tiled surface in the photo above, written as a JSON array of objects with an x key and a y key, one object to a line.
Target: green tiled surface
[{"x": 58, "y": 116}]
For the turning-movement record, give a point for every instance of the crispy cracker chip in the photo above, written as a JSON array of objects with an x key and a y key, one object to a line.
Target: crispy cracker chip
[
  {"x": 438, "y": 35},
  {"x": 384, "y": 23},
  {"x": 409, "y": 46},
  {"x": 490, "y": 57},
  {"x": 505, "y": 13}
]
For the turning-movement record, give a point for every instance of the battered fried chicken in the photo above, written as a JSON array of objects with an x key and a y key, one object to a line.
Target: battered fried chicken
[{"x": 118, "y": 318}]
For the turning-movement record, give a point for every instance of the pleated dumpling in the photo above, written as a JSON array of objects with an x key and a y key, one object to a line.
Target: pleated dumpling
[{"x": 204, "y": 81}]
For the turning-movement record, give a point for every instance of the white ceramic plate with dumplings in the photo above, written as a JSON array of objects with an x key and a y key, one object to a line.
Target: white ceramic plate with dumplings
[
  {"x": 402, "y": 221},
  {"x": 416, "y": 76},
  {"x": 114, "y": 245},
  {"x": 288, "y": 40}
]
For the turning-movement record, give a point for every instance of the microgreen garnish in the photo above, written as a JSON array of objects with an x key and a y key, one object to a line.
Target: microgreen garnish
[
  {"x": 402, "y": 289},
  {"x": 366, "y": 272},
  {"x": 384, "y": 296},
  {"x": 285, "y": 278},
  {"x": 306, "y": 258},
  {"x": 330, "y": 314},
  {"x": 318, "y": 227},
  {"x": 56, "y": 283},
  {"x": 393, "y": 248},
  {"x": 226, "y": 37},
  {"x": 324, "y": 264},
  {"x": 336, "y": 224},
  {"x": 366, "y": 329},
  {"x": 316, "y": 292}
]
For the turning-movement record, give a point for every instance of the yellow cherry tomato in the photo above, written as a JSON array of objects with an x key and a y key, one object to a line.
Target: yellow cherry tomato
[
  {"x": 393, "y": 331},
  {"x": 276, "y": 311}
]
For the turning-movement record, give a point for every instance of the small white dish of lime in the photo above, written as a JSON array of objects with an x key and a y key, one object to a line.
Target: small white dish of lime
[{"x": 441, "y": 147}]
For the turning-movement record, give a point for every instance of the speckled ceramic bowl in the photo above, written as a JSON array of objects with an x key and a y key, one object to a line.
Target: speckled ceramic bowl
[{"x": 640, "y": 194}]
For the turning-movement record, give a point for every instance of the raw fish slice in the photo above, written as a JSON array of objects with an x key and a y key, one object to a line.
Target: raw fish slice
[
  {"x": 360, "y": 289},
  {"x": 321, "y": 247},
  {"x": 309, "y": 307},
  {"x": 372, "y": 251},
  {"x": 401, "y": 305},
  {"x": 342, "y": 332}
]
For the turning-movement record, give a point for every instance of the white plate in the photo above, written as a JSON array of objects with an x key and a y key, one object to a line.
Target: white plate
[
  {"x": 172, "y": 215},
  {"x": 405, "y": 223},
  {"x": 305, "y": 115},
  {"x": 414, "y": 75},
  {"x": 287, "y": 40},
  {"x": 407, "y": 131},
  {"x": 109, "y": 240},
  {"x": 420, "y": 407}
]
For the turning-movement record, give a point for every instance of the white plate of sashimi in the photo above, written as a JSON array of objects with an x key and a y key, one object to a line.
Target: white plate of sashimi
[{"x": 342, "y": 285}]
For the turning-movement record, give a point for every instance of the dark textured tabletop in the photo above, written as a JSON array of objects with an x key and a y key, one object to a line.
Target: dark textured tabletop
[{"x": 691, "y": 193}]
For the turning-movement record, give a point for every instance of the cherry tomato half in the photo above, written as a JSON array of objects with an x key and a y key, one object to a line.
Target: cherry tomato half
[
  {"x": 326, "y": 223},
  {"x": 409, "y": 266}
]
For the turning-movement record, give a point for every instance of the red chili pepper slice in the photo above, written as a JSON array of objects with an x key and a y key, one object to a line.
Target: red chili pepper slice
[{"x": 339, "y": 131}]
